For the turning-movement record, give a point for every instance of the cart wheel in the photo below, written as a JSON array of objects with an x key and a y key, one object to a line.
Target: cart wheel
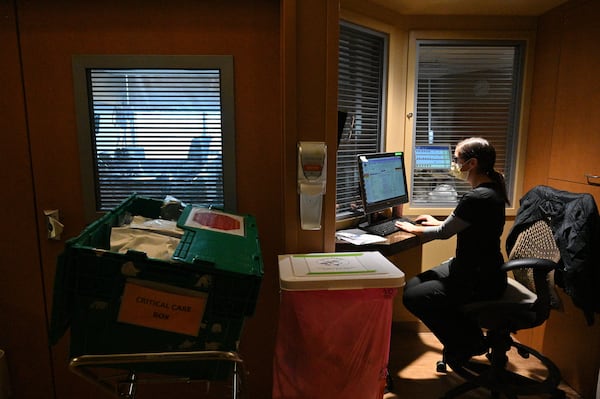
[
  {"x": 126, "y": 389},
  {"x": 237, "y": 381}
]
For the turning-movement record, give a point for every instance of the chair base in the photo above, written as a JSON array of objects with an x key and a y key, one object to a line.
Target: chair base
[{"x": 499, "y": 381}]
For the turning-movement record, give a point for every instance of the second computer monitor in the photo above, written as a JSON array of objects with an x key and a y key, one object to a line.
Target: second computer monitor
[
  {"x": 382, "y": 181},
  {"x": 432, "y": 157}
]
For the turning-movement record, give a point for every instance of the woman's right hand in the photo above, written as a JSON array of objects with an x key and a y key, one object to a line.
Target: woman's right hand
[{"x": 427, "y": 220}]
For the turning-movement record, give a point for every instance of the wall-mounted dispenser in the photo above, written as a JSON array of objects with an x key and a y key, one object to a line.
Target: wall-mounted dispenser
[{"x": 312, "y": 172}]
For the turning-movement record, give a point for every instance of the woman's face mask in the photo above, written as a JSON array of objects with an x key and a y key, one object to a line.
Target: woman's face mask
[{"x": 455, "y": 171}]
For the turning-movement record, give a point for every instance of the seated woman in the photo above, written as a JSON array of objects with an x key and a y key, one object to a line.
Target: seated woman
[{"x": 436, "y": 295}]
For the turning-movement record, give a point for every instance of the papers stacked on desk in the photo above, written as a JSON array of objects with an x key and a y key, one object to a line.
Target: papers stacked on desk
[{"x": 358, "y": 237}]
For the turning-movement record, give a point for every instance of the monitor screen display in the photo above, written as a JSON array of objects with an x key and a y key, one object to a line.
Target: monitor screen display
[
  {"x": 433, "y": 157},
  {"x": 382, "y": 180}
]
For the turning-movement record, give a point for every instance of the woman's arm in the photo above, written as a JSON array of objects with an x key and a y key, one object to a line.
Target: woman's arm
[{"x": 431, "y": 228}]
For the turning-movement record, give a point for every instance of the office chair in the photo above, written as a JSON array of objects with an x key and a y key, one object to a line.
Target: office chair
[{"x": 525, "y": 304}]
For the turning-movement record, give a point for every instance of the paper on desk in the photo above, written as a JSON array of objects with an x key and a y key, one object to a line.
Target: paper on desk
[{"x": 358, "y": 237}]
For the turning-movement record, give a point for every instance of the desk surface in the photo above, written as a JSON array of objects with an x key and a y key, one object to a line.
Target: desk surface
[{"x": 396, "y": 242}]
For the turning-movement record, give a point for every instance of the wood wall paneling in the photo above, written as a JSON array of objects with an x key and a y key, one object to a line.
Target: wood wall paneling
[
  {"x": 574, "y": 346},
  {"x": 543, "y": 96},
  {"x": 569, "y": 340},
  {"x": 311, "y": 31},
  {"x": 22, "y": 310},
  {"x": 576, "y": 138},
  {"x": 563, "y": 145}
]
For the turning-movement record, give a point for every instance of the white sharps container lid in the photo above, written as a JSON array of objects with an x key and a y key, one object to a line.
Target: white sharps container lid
[{"x": 338, "y": 271}]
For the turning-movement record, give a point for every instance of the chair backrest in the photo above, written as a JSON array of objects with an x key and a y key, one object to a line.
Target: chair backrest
[{"x": 537, "y": 241}]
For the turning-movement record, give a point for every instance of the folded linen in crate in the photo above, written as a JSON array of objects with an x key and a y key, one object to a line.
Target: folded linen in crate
[{"x": 157, "y": 238}]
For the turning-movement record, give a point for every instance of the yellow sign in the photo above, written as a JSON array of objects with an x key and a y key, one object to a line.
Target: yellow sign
[{"x": 180, "y": 312}]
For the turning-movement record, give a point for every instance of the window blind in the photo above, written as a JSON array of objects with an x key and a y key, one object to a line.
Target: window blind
[
  {"x": 157, "y": 132},
  {"x": 465, "y": 89},
  {"x": 361, "y": 77}
]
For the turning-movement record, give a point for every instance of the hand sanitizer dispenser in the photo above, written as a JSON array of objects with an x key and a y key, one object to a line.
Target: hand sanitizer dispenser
[{"x": 312, "y": 172}]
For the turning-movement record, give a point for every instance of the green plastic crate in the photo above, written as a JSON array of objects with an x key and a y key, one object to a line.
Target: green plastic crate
[{"x": 225, "y": 269}]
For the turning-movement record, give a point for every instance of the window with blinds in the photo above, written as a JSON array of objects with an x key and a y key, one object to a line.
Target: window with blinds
[
  {"x": 158, "y": 131},
  {"x": 464, "y": 89},
  {"x": 361, "y": 83}
]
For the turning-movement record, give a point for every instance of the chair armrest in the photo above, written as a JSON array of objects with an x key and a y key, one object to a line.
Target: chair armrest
[
  {"x": 537, "y": 264},
  {"x": 536, "y": 275}
]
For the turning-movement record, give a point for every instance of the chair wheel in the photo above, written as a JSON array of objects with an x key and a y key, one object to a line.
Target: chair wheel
[
  {"x": 523, "y": 353},
  {"x": 440, "y": 367}
]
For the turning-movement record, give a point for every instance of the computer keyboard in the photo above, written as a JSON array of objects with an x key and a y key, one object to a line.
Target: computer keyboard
[{"x": 385, "y": 228}]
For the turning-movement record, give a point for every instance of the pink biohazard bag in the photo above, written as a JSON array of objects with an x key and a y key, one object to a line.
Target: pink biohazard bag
[{"x": 333, "y": 343}]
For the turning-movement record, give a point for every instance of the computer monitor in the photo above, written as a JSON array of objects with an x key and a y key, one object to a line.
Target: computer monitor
[
  {"x": 382, "y": 181},
  {"x": 433, "y": 157}
]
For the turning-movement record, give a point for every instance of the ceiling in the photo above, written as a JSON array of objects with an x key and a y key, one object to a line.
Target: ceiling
[{"x": 469, "y": 7}]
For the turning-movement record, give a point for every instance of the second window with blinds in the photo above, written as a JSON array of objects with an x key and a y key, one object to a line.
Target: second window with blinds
[
  {"x": 463, "y": 88},
  {"x": 361, "y": 101}
]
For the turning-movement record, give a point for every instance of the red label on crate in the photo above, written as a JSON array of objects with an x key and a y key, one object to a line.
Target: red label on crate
[
  {"x": 217, "y": 221},
  {"x": 162, "y": 310}
]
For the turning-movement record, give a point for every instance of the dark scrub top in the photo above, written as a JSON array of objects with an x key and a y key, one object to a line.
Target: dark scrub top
[{"x": 478, "y": 256}]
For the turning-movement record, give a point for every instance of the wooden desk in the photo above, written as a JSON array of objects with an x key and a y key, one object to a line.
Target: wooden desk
[{"x": 402, "y": 249}]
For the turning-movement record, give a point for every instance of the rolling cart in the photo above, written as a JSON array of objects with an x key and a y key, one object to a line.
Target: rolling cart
[
  {"x": 135, "y": 318},
  {"x": 124, "y": 385}
]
